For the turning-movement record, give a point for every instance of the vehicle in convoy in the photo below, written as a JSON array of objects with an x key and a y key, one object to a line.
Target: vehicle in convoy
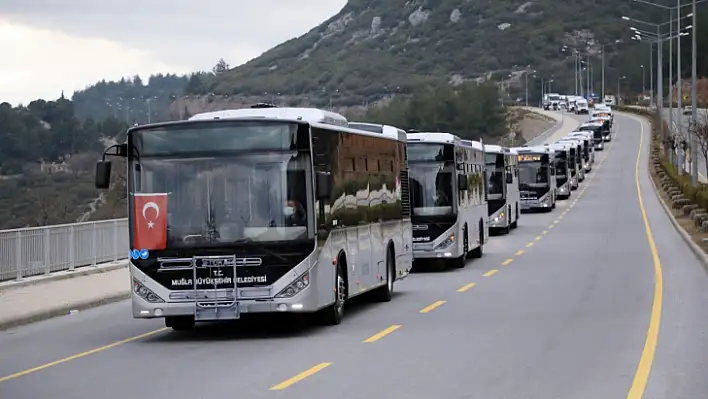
[
  {"x": 598, "y": 129},
  {"x": 588, "y": 153},
  {"x": 551, "y": 101},
  {"x": 603, "y": 114},
  {"x": 247, "y": 210},
  {"x": 537, "y": 178},
  {"x": 502, "y": 173},
  {"x": 607, "y": 127},
  {"x": 448, "y": 197},
  {"x": 687, "y": 110},
  {"x": 581, "y": 106},
  {"x": 610, "y": 100},
  {"x": 562, "y": 169},
  {"x": 576, "y": 146}
]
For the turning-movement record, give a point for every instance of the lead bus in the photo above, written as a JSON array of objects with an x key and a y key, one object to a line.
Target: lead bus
[
  {"x": 448, "y": 197},
  {"x": 262, "y": 210},
  {"x": 537, "y": 178},
  {"x": 502, "y": 188}
]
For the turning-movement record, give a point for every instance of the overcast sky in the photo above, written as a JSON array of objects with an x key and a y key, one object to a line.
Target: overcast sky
[{"x": 47, "y": 46}]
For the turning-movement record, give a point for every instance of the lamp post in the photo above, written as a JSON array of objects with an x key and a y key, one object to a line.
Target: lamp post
[
  {"x": 618, "y": 87},
  {"x": 692, "y": 138},
  {"x": 694, "y": 99},
  {"x": 658, "y": 38}
]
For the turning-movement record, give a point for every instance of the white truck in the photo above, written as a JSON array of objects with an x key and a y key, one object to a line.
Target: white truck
[
  {"x": 609, "y": 100},
  {"x": 551, "y": 101}
]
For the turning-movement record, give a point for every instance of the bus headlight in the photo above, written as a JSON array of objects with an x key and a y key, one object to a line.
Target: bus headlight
[
  {"x": 295, "y": 287},
  {"x": 499, "y": 217},
  {"x": 145, "y": 293},
  {"x": 446, "y": 242}
]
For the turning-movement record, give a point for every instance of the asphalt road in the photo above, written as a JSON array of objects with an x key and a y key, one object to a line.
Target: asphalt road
[{"x": 567, "y": 317}]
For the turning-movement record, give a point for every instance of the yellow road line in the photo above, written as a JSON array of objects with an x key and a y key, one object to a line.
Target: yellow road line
[
  {"x": 519, "y": 252},
  {"x": 544, "y": 232},
  {"x": 80, "y": 355},
  {"x": 507, "y": 262},
  {"x": 432, "y": 307},
  {"x": 538, "y": 238},
  {"x": 641, "y": 377},
  {"x": 382, "y": 334},
  {"x": 529, "y": 245},
  {"x": 490, "y": 273},
  {"x": 466, "y": 287},
  {"x": 307, "y": 373}
]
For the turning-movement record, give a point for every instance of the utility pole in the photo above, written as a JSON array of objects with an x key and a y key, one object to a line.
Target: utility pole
[
  {"x": 660, "y": 81},
  {"x": 527, "y": 87},
  {"x": 651, "y": 73},
  {"x": 671, "y": 70},
  {"x": 679, "y": 124},
  {"x": 576, "y": 72},
  {"x": 603, "y": 72},
  {"x": 694, "y": 102}
]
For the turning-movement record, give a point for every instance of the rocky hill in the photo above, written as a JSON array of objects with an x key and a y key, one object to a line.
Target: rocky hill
[{"x": 372, "y": 49}]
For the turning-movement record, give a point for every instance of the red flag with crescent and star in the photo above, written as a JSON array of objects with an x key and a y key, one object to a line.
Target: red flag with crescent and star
[{"x": 150, "y": 221}]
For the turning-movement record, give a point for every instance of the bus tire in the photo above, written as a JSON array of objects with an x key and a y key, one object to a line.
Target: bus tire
[
  {"x": 332, "y": 315},
  {"x": 180, "y": 323},
  {"x": 385, "y": 292},
  {"x": 460, "y": 262},
  {"x": 479, "y": 251}
]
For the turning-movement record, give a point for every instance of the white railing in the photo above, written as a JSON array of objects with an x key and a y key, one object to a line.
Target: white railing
[{"x": 43, "y": 250}]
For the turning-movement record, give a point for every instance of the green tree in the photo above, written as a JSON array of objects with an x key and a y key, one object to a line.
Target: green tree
[{"x": 468, "y": 111}]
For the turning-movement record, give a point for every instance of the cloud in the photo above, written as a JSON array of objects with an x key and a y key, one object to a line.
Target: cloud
[
  {"x": 69, "y": 44},
  {"x": 41, "y": 63}
]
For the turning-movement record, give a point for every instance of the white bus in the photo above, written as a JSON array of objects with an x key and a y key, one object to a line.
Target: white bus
[
  {"x": 537, "y": 178},
  {"x": 563, "y": 169},
  {"x": 503, "y": 199},
  {"x": 448, "y": 197},
  {"x": 262, "y": 210},
  {"x": 577, "y": 145}
]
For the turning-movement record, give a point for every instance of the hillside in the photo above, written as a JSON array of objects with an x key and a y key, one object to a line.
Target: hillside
[{"x": 374, "y": 48}]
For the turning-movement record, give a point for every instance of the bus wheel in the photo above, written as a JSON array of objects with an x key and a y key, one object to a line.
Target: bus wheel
[
  {"x": 332, "y": 315},
  {"x": 180, "y": 323},
  {"x": 479, "y": 251},
  {"x": 385, "y": 292},
  {"x": 459, "y": 263}
]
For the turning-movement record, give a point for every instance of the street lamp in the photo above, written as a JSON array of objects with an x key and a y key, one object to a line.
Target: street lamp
[
  {"x": 644, "y": 85},
  {"x": 618, "y": 88},
  {"x": 602, "y": 49},
  {"x": 678, "y": 7}
]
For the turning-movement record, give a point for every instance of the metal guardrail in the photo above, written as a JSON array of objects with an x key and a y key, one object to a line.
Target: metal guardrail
[{"x": 43, "y": 250}]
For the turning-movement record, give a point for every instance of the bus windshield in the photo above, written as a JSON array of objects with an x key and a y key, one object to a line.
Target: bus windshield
[
  {"x": 495, "y": 174},
  {"x": 431, "y": 188},
  {"x": 532, "y": 173},
  {"x": 202, "y": 200}
]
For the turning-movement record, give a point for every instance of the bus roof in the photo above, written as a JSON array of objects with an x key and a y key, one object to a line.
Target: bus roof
[
  {"x": 492, "y": 148},
  {"x": 438, "y": 138},
  {"x": 386, "y": 130},
  {"x": 315, "y": 117},
  {"x": 477, "y": 145},
  {"x": 540, "y": 149},
  {"x": 310, "y": 115}
]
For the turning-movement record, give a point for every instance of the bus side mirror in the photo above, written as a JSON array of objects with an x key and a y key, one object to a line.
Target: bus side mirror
[
  {"x": 103, "y": 175},
  {"x": 509, "y": 178},
  {"x": 324, "y": 185},
  {"x": 462, "y": 182}
]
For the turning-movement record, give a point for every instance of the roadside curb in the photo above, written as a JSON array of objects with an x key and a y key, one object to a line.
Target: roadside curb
[
  {"x": 697, "y": 251},
  {"x": 63, "y": 275},
  {"x": 61, "y": 310},
  {"x": 700, "y": 255}
]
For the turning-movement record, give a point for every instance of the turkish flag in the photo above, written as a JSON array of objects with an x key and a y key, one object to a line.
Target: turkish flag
[{"x": 150, "y": 221}]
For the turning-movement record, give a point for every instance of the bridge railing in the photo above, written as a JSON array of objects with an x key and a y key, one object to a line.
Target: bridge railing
[{"x": 43, "y": 250}]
